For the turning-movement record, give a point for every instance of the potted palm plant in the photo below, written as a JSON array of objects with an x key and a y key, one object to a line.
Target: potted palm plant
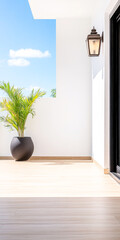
[{"x": 17, "y": 108}]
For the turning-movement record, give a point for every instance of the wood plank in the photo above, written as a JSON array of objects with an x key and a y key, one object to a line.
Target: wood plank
[{"x": 60, "y": 218}]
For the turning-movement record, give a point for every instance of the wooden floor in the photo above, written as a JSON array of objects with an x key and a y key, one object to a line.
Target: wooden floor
[
  {"x": 60, "y": 218},
  {"x": 57, "y": 200},
  {"x": 55, "y": 179}
]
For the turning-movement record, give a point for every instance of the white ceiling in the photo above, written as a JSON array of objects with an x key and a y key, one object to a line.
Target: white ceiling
[{"x": 52, "y": 9}]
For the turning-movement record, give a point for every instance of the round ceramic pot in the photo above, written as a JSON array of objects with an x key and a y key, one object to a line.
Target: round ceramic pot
[{"x": 21, "y": 148}]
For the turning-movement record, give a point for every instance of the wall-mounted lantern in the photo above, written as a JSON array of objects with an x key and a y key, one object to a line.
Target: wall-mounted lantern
[{"x": 94, "y": 43}]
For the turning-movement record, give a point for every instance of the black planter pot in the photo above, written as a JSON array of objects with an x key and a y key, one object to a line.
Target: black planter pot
[{"x": 21, "y": 148}]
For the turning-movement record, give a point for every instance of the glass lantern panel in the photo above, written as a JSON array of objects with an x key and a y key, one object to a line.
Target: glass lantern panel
[{"x": 94, "y": 45}]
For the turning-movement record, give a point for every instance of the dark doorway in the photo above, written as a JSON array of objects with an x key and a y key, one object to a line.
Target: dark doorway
[{"x": 115, "y": 93}]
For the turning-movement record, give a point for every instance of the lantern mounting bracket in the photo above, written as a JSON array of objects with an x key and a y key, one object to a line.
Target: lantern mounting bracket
[{"x": 102, "y": 37}]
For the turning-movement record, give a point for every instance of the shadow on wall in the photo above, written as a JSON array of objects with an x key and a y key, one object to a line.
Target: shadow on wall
[{"x": 97, "y": 67}]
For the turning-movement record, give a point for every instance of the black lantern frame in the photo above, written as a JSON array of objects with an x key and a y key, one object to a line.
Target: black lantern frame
[{"x": 94, "y": 43}]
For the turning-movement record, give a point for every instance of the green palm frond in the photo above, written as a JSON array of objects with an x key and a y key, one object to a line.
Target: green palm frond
[
  {"x": 17, "y": 106},
  {"x": 53, "y": 92}
]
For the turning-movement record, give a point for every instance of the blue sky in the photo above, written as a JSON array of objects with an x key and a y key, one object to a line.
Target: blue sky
[{"x": 27, "y": 47}]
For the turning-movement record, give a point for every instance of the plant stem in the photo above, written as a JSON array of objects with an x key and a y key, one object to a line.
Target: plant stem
[{"x": 20, "y": 132}]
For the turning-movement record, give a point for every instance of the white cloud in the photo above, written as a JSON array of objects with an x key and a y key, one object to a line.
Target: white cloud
[
  {"x": 20, "y": 62},
  {"x": 33, "y": 87},
  {"x": 28, "y": 53}
]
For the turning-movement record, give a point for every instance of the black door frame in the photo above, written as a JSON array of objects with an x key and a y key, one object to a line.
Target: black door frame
[{"x": 114, "y": 91}]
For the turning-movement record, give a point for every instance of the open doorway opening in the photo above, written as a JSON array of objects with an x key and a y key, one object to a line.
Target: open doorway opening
[{"x": 115, "y": 93}]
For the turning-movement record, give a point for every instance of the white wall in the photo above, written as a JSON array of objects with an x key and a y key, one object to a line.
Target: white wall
[
  {"x": 62, "y": 126},
  {"x": 98, "y": 82},
  {"x": 98, "y": 97}
]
